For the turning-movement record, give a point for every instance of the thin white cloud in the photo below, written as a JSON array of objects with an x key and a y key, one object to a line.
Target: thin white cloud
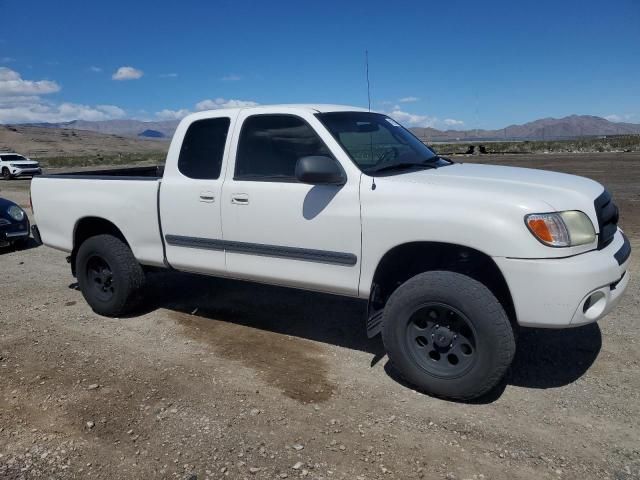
[
  {"x": 408, "y": 99},
  {"x": 95, "y": 69},
  {"x": 127, "y": 73},
  {"x": 416, "y": 120},
  {"x": 208, "y": 104},
  {"x": 624, "y": 117},
  {"x": 7, "y": 59},
  {"x": 223, "y": 103},
  {"x": 39, "y": 111},
  {"x": 111, "y": 110},
  {"x": 17, "y": 100},
  {"x": 232, "y": 77},
  {"x": 11, "y": 83},
  {"x": 167, "y": 114},
  {"x": 452, "y": 122},
  {"x": 168, "y": 75},
  {"x": 410, "y": 119},
  {"x": 21, "y": 101}
]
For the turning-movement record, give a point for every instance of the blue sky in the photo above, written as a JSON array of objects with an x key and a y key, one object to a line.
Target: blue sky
[{"x": 448, "y": 64}]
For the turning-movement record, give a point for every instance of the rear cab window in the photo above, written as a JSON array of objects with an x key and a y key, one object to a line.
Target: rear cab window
[{"x": 202, "y": 148}]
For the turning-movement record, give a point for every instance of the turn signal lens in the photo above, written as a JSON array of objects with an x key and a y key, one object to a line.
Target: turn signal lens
[
  {"x": 549, "y": 229},
  {"x": 561, "y": 229}
]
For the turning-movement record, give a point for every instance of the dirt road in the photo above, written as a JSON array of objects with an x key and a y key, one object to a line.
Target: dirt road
[{"x": 224, "y": 379}]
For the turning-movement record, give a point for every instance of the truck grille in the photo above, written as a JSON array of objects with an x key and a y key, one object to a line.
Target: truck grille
[
  {"x": 25, "y": 165},
  {"x": 607, "y": 214}
]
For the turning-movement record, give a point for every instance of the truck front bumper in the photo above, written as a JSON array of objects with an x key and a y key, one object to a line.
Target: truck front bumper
[{"x": 568, "y": 292}]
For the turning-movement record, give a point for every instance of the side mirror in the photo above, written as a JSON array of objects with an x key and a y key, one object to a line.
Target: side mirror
[{"x": 319, "y": 170}]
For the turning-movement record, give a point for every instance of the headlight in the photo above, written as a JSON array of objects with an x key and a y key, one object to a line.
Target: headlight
[
  {"x": 561, "y": 229},
  {"x": 16, "y": 213}
]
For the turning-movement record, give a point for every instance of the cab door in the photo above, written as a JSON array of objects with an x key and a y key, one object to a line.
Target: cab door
[
  {"x": 190, "y": 194},
  {"x": 278, "y": 230}
]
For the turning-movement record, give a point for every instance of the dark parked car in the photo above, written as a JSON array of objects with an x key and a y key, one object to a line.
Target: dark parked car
[{"x": 14, "y": 224}]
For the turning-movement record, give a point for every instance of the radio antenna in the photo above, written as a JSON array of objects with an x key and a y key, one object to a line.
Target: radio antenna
[{"x": 366, "y": 59}]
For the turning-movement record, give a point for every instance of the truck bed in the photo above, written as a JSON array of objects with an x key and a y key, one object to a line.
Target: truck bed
[{"x": 126, "y": 197}]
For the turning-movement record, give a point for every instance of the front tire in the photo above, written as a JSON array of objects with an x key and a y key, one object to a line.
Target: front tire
[
  {"x": 109, "y": 276},
  {"x": 6, "y": 174},
  {"x": 448, "y": 335}
]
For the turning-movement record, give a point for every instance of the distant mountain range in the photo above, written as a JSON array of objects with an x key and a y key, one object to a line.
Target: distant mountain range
[
  {"x": 125, "y": 128},
  {"x": 38, "y": 141},
  {"x": 572, "y": 126}
]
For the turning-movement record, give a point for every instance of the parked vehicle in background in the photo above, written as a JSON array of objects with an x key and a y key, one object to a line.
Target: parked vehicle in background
[
  {"x": 452, "y": 258},
  {"x": 14, "y": 224},
  {"x": 13, "y": 165}
]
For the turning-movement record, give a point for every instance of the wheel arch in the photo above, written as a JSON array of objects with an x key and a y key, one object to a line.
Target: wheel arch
[
  {"x": 407, "y": 260},
  {"x": 88, "y": 227}
]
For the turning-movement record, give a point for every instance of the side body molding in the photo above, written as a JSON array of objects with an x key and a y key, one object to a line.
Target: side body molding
[{"x": 296, "y": 253}]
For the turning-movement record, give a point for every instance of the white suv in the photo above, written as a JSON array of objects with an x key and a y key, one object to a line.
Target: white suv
[{"x": 13, "y": 165}]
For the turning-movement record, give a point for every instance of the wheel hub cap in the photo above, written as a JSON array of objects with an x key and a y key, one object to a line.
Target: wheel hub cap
[
  {"x": 100, "y": 277},
  {"x": 441, "y": 340},
  {"x": 443, "y": 337}
]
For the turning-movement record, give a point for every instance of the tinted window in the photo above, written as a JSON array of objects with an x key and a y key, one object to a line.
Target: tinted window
[
  {"x": 203, "y": 148},
  {"x": 11, "y": 158},
  {"x": 270, "y": 146}
]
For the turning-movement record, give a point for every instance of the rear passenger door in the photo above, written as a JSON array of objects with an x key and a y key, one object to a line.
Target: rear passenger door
[
  {"x": 279, "y": 230},
  {"x": 190, "y": 195}
]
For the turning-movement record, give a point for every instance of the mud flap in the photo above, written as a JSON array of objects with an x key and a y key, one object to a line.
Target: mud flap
[
  {"x": 36, "y": 234},
  {"x": 374, "y": 324}
]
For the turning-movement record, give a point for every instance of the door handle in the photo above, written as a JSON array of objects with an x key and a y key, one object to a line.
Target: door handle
[
  {"x": 207, "y": 197},
  {"x": 240, "y": 198}
]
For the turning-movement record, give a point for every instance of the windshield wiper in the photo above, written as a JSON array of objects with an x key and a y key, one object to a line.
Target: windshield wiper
[{"x": 400, "y": 166}]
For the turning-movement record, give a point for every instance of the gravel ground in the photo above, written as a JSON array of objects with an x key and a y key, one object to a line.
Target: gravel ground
[{"x": 226, "y": 379}]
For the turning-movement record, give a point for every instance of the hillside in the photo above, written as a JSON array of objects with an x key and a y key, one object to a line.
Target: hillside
[
  {"x": 127, "y": 128},
  {"x": 573, "y": 126},
  {"x": 38, "y": 142}
]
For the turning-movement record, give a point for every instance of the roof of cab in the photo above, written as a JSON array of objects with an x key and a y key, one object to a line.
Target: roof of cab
[
  {"x": 310, "y": 107},
  {"x": 317, "y": 107}
]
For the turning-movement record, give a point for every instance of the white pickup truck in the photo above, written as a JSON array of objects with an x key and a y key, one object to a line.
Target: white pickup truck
[{"x": 451, "y": 257}]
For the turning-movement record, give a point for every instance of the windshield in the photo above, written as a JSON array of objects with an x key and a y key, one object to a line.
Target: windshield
[
  {"x": 12, "y": 158},
  {"x": 378, "y": 143}
]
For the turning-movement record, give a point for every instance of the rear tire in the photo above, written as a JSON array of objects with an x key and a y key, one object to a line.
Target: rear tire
[
  {"x": 109, "y": 276},
  {"x": 448, "y": 335}
]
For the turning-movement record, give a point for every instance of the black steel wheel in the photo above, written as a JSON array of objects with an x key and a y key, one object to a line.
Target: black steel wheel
[
  {"x": 100, "y": 278},
  {"x": 448, "y": 335},
  {"x": 109, "y": 276},
  {"x": 441, "y": 340}
]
